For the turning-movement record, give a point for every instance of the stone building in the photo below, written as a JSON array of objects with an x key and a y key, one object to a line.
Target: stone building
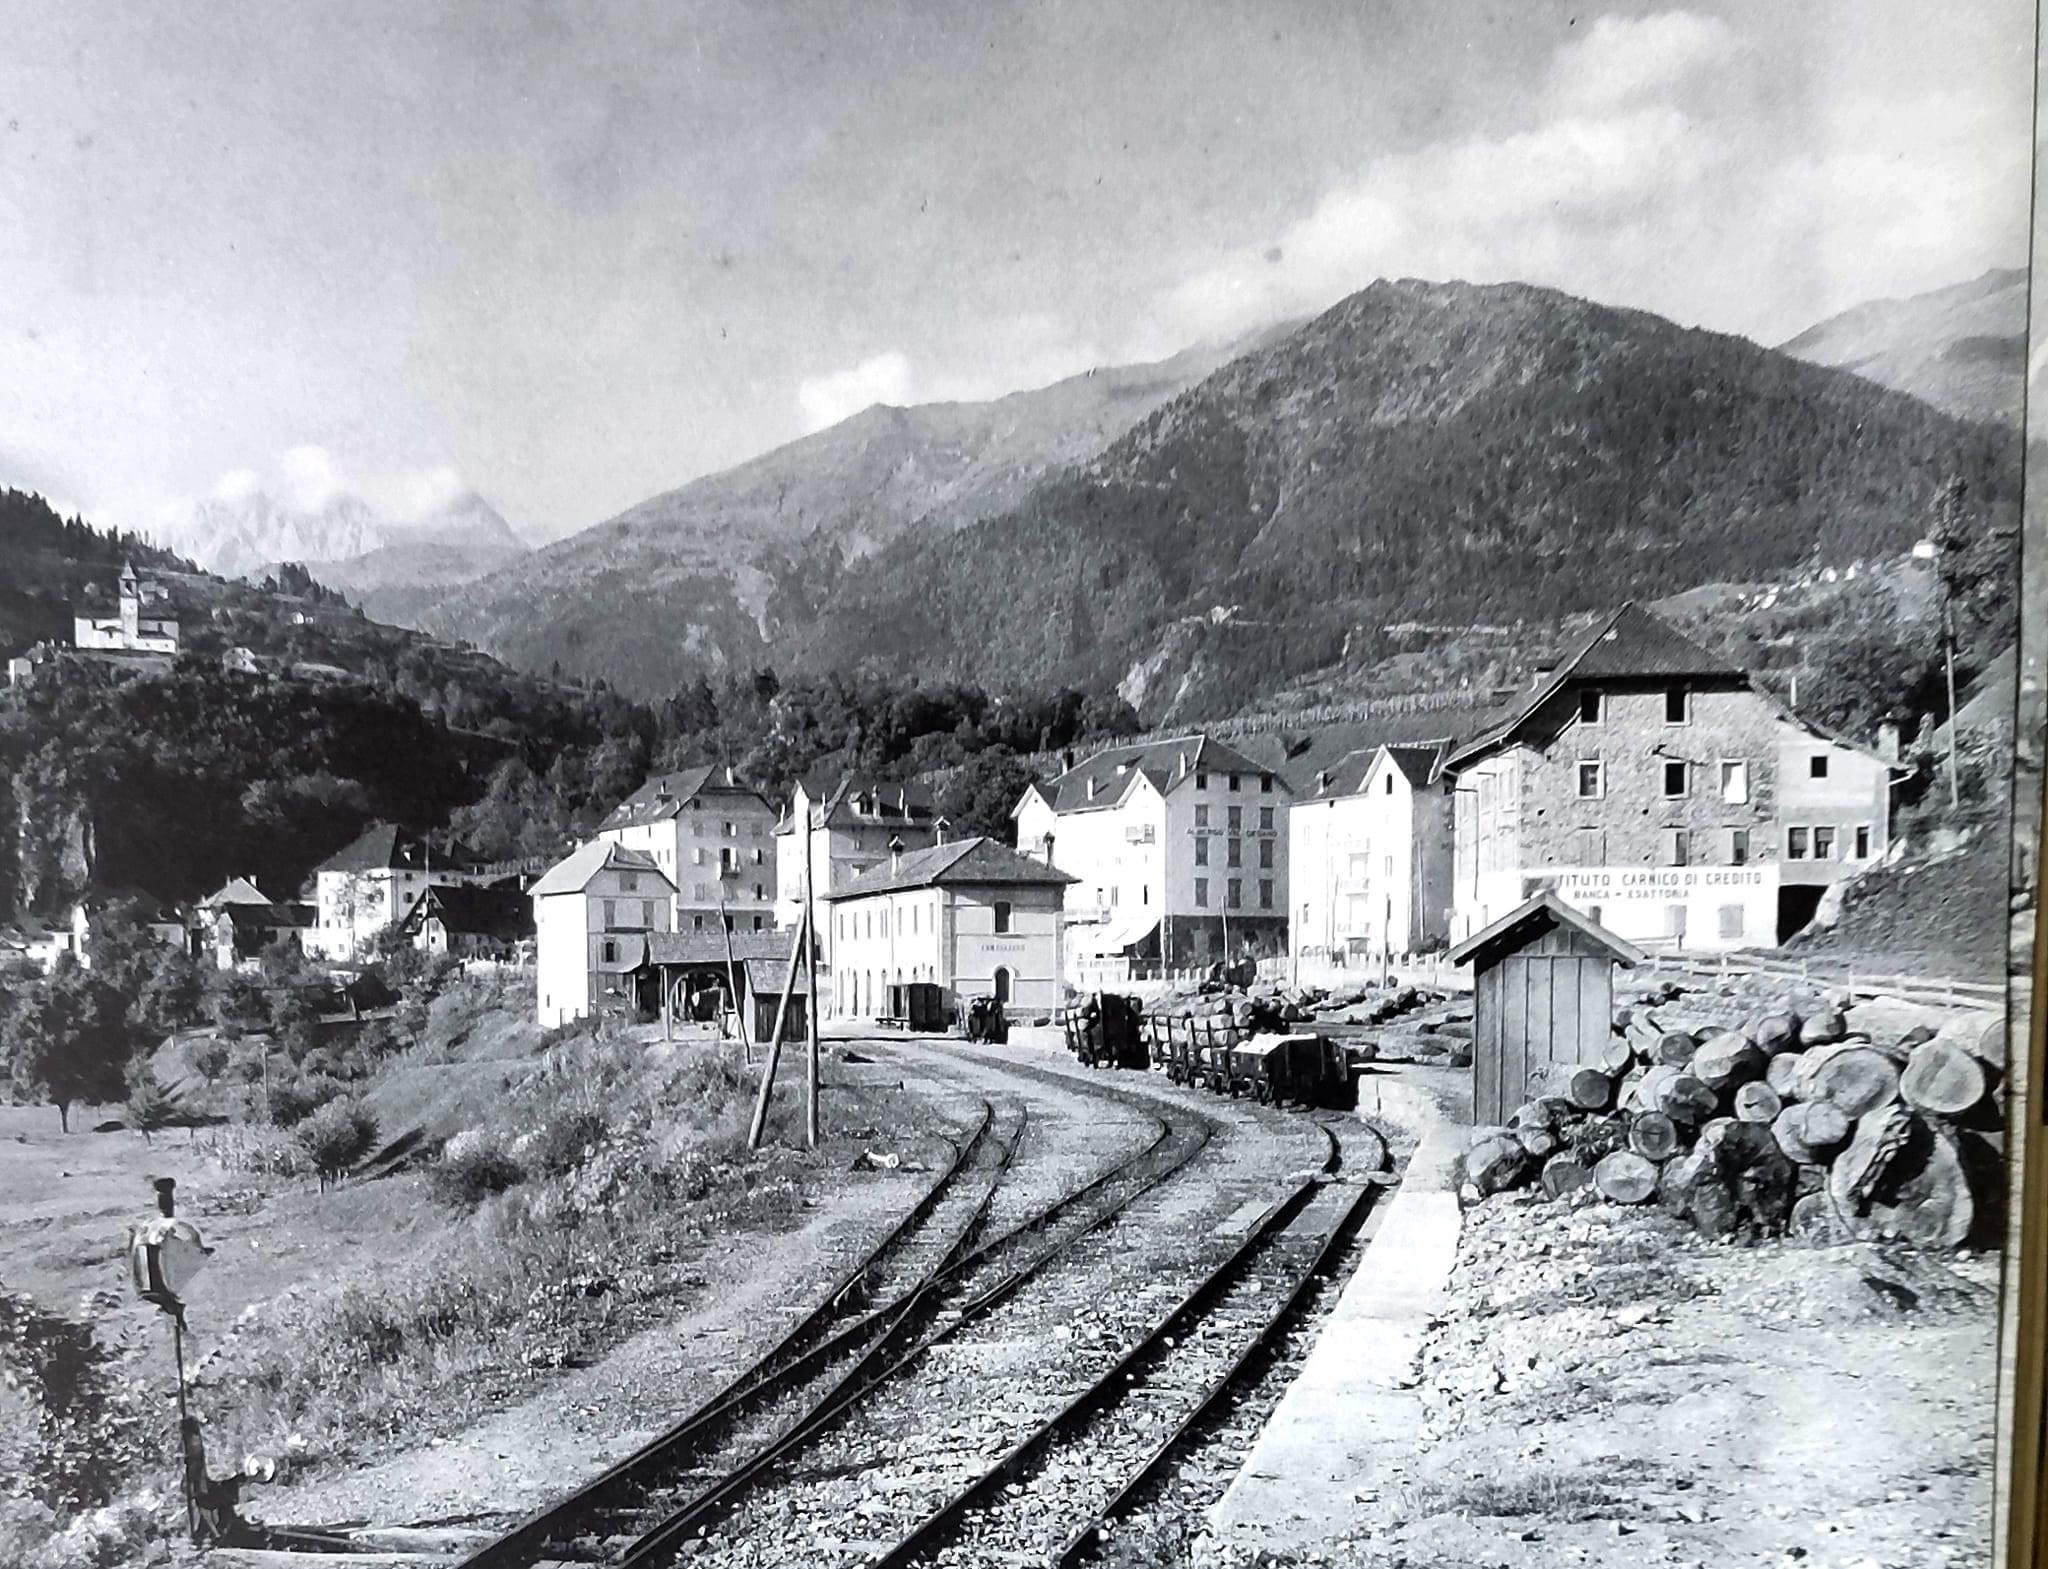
[{"x": 1655, "y": 788}]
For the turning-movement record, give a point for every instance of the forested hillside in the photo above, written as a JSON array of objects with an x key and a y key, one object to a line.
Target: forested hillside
[{"x": 1427, "y": 452}]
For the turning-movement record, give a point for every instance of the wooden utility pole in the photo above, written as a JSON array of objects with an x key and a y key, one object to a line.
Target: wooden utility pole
[
  {"x": 732, "y": 980},
  {"x": 803, "y": 933},
  {"x": 810, "y": 1016}
]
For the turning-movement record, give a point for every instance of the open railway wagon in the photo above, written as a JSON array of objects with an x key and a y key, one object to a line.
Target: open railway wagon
[
  {"x": 1107, "y": 1031},
  {"x": 1218, "y": 1054}
]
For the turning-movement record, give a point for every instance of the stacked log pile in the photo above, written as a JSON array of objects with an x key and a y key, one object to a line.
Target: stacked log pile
[{"x": 1787, "y": 1124}]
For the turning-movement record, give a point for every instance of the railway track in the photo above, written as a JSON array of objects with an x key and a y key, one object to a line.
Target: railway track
[
  {"x": 929, "y": 1279},
  {"x": 1018, "y": 1464}
]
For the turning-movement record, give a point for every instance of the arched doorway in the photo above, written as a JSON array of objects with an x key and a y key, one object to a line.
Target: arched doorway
[{"x": 1002, "y": 985}]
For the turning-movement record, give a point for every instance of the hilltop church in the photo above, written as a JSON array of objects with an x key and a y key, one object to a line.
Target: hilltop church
[{"x": 143, "y": 624}]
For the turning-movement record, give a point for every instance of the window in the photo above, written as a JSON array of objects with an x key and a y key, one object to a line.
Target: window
[
  {"x": 1201, "y": 893},
  {"x": 1675, "y": 847},
  {"x": 697, "y": 922},
  {"x": 1144, "y": 893},
  {"x": 760, "y": 857},
  {"x": 1237, "y": 819},
  {"x": 757, "y": 923},
  {"x": 611, "y": 914},
  {"x": 1266, "y": 855},
  {"x": 1265, "y": 784},
  {"x": 1677, "y": 706},
  {"x": 1265, "y": 819},
  {"x": 1201, "y": 783},
  {"x": 1201, "y": 849},
  {"x": 1738, "y": 847},
  {"x": 1734, "y": 781},
  {"x": 1236, "y": 852},
  {"x": 1731, "y": 920},
  {"x": 628, "y": 881},
  {"x": 697, "y": 856},
  {"x": 1674, "y": 779},
  {"x": 1589, "y": 708},
  {"x": 647, "y": 913},
  {"x": 1795, "y": 844},
  {"x": 611, "y": 952},
  {"x": 1817, "y": 766},
  {"x": 1674, "y": 921},
  {"x": 1002, "y": 915},
  {"x": 1388, "y": 787},
  {"x": 1201, "y": 814},
  {"x": 1265, "y": 893},
  {"x": 1863, "y": 841},
  {"x": 1823, "y": 844},
  {"x": 1588, "y": 847},
  {"x": 1235, "y": 783},
  {"x": 1234, "y": 892},
  {"x": 1592, "y": 780}
]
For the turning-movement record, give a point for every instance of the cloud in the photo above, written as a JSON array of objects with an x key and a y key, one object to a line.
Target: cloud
[
  {"x": 311, "y": 477},
  {"x": 1646, "y": 171},
  {"x": 237, "y": 485},
  {"x": 826, "y": 400},
  {"x": 411, "y": 494},
  {"x": 1625, "y": 60}
]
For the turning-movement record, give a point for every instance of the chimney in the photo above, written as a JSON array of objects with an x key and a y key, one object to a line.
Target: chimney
[
  {"x": 1888, "y": 741},
  {"x": 1540, "y": 676},
  {"x": 1067, "y": 759},
  {"x": 895, "y": 853},
  {"x": 1322, "y": 780},
  {"x": 1792, "y": 701},
  {"x": 939, "y": 827},
  {"x": 730, "y": 777},
  {"x": 1183, "y": 765},
  {"x": 1048, "y": 849}
]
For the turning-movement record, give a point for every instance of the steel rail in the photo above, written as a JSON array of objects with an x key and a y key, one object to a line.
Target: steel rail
[
  {"x": 662, "y": 1542},
  {"x": 1106, "y": 1388},
  {"x": 522, "y": 1546}
]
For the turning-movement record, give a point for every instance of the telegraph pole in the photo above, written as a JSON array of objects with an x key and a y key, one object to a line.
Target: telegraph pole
[{"x": 810, "y": 1014}]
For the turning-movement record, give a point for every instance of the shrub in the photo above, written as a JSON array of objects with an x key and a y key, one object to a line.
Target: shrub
[
  {"x": 150, "y": 1105},
  {"x": 292, "y": 1101},
  {"x": 566, "y": 1142},
  {"x": 336, "y": 1136},
  {"x": 472, "y": 1167}
]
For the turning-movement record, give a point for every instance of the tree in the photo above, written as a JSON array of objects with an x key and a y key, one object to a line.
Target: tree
[
  {"x": 979, "y": 797},
  {"x": 336, "y": 1137},
  {"x": 240, "y": 1006},
  {"x": 209, "y": 1058},
  {"x": 68, "y": 1042},
  {"x": 150, "y": 1105}
]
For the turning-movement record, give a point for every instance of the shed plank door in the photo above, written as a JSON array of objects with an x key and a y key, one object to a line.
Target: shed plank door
[
  {"x": 1487, "y": 1050},
  {"x": 1596, "y": 1007},
  {"x": 1514, "y": 1030}
]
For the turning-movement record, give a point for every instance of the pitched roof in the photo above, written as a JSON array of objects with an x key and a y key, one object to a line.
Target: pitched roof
[
  {"x": 858, "y": 800},
  {"x": 765, "y": 977},
  {"x": 388, "y": 847},
  {"x": 1418, "y": 765},
  {"x": 572, "y": 874},
  {"x": 1116, "y": 769},
  {"x": 1545, "y": 910},
  {"x": 975, "y": 861},
  {"x": 236, "y": 890},
  {"x": 504, "y": 914},
  {"x": 263, "y": 916},
  {"x": 1630, "y": 645},
  {"x": 695, "y": 947},
  {"x": 664, "y": 796}
]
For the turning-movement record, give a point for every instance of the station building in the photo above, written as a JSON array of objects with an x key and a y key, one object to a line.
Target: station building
[{"x": 971, "y": 916}]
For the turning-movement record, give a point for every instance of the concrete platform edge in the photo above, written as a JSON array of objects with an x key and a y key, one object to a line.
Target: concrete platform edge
[{"x": 1314, "y": 1463}]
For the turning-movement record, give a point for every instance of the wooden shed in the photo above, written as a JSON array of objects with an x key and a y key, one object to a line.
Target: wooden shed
[{"x": 1543, "y": 993}]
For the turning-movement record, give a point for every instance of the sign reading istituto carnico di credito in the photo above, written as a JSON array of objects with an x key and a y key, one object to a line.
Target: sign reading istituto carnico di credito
[{"x": 1653, "y": 884}]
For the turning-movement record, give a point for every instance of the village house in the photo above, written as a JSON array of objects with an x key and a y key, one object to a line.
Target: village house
[
  {"x": 470, "y": 923},
  {"x": 592, "y": 913},
  {"x": 712, "y": 837},
  {"x": 1369, "y": 857},
  {"x": 34, "y": 942},
  {"x": 1177, "y": 850},
  {"x": 143, "y": 621},
  {"x": 167, "y": 923},
  {"x": 373, "y": 881},
  {"x": 1657, "y": 790},
  {"x": 970, "y": 916},
  {"x": 843, "y": 830},
  {"x": 237, "y": 933}
]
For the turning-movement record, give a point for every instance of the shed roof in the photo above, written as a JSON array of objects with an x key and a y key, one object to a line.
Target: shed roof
[
  {"x": 769, "y": 975},
  {"x": 695, "y": 947},
  {"x": 1532, "y": 919},
  {"x": 974, "y": 861}
]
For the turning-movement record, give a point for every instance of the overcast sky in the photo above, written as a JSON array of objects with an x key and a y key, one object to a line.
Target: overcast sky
[{"x": 573, "y": 255}]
